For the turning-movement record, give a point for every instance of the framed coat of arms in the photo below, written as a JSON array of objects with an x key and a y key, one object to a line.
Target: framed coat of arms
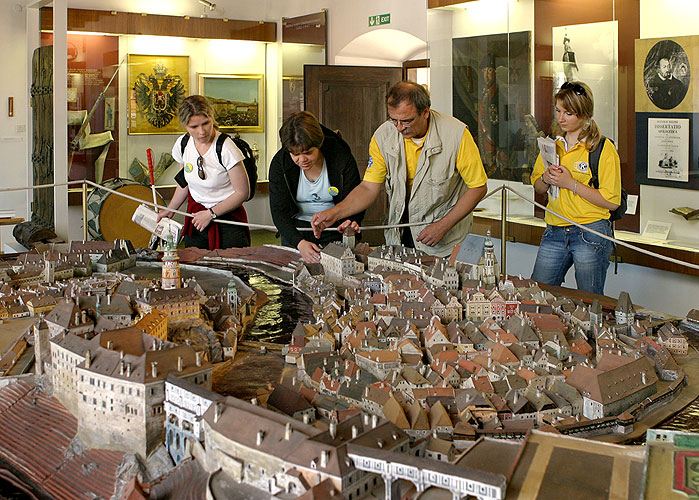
[{"x": 157, "y": 86}]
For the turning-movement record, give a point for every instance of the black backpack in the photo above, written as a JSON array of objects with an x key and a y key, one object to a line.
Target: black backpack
[
  {"x": 594, "y": 181},
  {"x": 248, "y": 157}
]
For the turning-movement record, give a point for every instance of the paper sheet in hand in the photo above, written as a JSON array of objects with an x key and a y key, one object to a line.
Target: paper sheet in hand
[
  {"x": 148, "y": 220},
  {"x": 547, "y": 147}
]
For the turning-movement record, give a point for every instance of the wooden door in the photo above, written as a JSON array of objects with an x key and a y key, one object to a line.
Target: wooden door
[{"x": 351, "y": 99}]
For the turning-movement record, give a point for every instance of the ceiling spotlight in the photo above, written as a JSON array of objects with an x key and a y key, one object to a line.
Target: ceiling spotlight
[{"x": 208, "y": 4}]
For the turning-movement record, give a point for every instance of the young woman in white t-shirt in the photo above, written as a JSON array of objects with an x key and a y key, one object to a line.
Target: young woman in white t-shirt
[{"x": 212, "y": 189}]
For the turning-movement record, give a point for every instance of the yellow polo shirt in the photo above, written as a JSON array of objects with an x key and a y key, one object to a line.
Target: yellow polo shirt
[
  {"x": 468, "y": 162},
  {"x": 576, "y": 160}
]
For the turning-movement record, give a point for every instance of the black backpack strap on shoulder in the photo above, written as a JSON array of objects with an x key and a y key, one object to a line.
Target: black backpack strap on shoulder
[
  {"x": 219, "y": 147},
  {"x": 183, "y": 143},
  {"x": 593, "y": 160}
]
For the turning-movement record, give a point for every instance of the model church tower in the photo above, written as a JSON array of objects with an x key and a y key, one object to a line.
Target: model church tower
[{"x": 171, "y": 267}]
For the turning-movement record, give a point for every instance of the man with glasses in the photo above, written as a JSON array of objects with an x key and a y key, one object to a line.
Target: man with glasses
[{"x": 431, "y": 169}]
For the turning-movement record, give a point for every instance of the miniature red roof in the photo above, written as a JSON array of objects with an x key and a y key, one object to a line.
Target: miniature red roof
[{"x": 36, "y": 430}]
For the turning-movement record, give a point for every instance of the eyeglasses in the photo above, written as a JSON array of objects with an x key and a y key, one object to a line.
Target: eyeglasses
[
  {"x": 576, "y": 88},
  {"x": 200, "y": 167},
  {"x": 403, "y": 123}
]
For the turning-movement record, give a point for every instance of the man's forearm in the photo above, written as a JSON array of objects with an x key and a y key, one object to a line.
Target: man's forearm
[{"x": 359, "y": 199}]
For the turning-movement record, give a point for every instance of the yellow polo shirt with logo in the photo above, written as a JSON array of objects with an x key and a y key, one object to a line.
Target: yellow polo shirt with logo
[
  {"x": 467, "y": 157},
  {"x": 576, "y": 160}
]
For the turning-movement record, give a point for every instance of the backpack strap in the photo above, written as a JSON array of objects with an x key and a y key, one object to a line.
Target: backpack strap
[
  {"x": 593, "y": 160},
  {"x": 183, "y": 143},
  {"x": 219, "y": 147}
]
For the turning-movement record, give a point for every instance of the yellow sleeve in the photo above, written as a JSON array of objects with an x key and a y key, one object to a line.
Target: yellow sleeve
[
  {"x": 376, "y": 169},
  {"x": 610, "y": 174},
  {"x": 468, "y": 162},
  {"x": 538, "y": 169}
]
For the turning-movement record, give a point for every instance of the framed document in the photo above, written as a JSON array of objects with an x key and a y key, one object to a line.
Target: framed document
[{"x": 668, "y": 149}]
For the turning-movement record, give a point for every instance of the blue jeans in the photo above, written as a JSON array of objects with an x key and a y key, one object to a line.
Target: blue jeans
[{"x": 563, "y": 246}]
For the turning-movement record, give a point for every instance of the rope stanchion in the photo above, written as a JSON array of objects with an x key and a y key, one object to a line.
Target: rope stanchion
[{"x": 502, "y": 189}]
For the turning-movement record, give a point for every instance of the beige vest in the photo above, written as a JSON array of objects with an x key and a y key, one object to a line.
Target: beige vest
[{"x": 437, "y": 185}]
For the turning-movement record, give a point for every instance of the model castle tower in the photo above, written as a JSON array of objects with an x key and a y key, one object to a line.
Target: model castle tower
[
  {"x": 171, "y": 266},
  {"x": 491, "y": 270}
]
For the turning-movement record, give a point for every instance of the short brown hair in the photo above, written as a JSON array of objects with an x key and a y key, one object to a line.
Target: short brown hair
[
  {"x": 301, "y": 132},
  {"x": 413, "y": 92},
  {"x": 195, "y": 105}
]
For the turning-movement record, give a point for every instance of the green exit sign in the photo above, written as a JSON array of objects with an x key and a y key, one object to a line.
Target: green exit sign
[{"x": 379, "y": 19}]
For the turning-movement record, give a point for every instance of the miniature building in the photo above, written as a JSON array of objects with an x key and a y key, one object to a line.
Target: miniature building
[
  {"x": 184, "y": 405},
  {"x": 338, "y": 260},
  {"x": 115, "y": 385},
  {"x": 279, "y": 454},
  {"x": 178, "y": 304},
  {"x": 612, "y": 392},
  {"x": 671, "y": 338}
]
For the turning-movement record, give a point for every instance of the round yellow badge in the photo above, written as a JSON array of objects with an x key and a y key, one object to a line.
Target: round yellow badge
[
  {"x": 333, "y": 191},
  {"x": 188, "y": 167}
]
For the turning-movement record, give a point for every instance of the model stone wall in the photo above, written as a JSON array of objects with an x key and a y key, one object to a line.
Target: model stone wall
[{"x": 111, "y": 413}]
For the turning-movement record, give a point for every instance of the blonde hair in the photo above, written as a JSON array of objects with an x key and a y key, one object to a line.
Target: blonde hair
[
  {"x": 195, "y": 105},
  {"x": 576, "y": 98}
]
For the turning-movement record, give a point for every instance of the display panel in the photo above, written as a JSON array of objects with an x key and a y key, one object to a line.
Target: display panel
[{"x": 492, "y": 96}]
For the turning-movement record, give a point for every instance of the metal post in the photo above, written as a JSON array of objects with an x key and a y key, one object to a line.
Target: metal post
[
  {"x": 84, "y": 211},
  {"x": 503, "y": 232}
]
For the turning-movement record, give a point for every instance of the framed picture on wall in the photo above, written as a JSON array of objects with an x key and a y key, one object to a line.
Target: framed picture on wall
[
  {"x": 238, "y": 100},
  {"x": 667, "y": 114},
  {"x": 157, "y": 86}
]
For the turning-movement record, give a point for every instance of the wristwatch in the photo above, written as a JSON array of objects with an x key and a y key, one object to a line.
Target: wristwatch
[{"x": 213, "y": 214}]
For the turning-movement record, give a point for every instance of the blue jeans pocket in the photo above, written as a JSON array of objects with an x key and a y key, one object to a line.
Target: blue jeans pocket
[{"x": 594, "y": 240}]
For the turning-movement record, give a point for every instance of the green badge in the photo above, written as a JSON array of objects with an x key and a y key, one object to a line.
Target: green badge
[{"x": 333, "y": 191}]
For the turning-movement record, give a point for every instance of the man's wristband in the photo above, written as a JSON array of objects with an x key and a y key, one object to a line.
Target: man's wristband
[{"x": 213, "y": 214}]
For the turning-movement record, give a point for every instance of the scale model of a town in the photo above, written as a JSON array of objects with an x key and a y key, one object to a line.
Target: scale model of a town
[{"x": 419, "y": 377}]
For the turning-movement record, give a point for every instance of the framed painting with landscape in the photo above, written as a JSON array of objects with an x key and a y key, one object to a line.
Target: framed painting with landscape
[{"x": 237, "y": 100}]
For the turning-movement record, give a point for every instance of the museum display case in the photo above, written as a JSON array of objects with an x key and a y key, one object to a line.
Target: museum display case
[{"x": 496, "y": 65}]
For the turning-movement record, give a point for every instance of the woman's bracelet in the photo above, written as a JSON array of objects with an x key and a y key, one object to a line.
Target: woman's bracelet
[{"x": 575, "y": 188}]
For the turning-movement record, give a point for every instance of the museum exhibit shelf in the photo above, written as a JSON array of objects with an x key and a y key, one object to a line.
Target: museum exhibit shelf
[{"x": 528, "y": 230}]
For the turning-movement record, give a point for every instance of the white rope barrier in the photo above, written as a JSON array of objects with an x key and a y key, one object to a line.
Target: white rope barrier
[{"x": 366, "y": 228}]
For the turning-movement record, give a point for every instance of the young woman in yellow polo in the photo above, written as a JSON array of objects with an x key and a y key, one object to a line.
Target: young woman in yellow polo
[{"x": 572, "y": 195}]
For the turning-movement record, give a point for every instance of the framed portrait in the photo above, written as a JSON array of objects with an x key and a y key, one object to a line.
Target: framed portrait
[
  {"x": 292, "y": 91},
  {"x": 157, "y": 86},
  {"x": 664, "y": 74},
  {"x": 110, "y": 113},
  {"x": 238, "y": 100}
]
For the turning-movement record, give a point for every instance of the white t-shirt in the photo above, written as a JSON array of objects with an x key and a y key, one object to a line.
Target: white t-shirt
[
  {"x": 217, "y": 185},
  {"x": 313, "y": 197}
]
